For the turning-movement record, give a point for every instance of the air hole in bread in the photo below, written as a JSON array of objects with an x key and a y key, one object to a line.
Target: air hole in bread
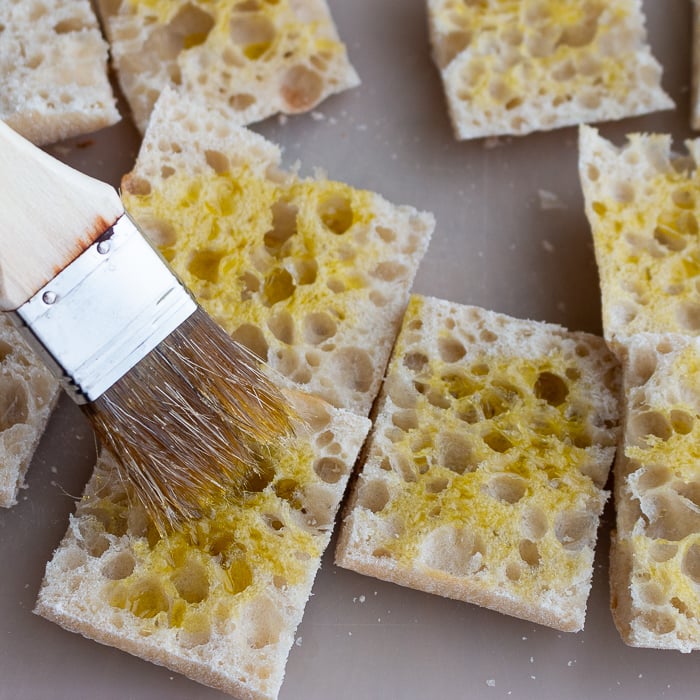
[
  {"x": 389, "y": 271},
  {"x": 437, "y": 485},
  {"x": 497, "y": 441},
  {"x": 260, "y": 478},
  {"x": 319, "y": 327},
  {"x": 691, "y": 563},
  {"x": 241, "y": 101},
  {"x": 513, "y": 571},
  {"x": 252, "y": 338},
  {"x": 551, "y": 388},
  {"x": 662, "y": 551},
  {"x": 269, "y": 623},
  {"x": 658, "y": 622},
  {"x": 239, "y": 575},
  {"x": 279, "y": 286},
  {"x": 318, "y": 507},
  {"x": 386, "y": 234},
  {"x": 5, "y": 350},
  {"x": 671, "y": 517},
  {"x": 652, "y": 594},
  {"x": 648, "y": 424},
  {"x": 405, "y": 420},
  {"x": 354, "y": 368},
  {"x": 336, "y": 214},
  {"x": 281, "y": 324},
  {"x": 284, "y": 225},
  {"x": 575, "y": 530},
  {"x": 457, "y": 551},
  {"x": 14, "y": 403},
  {"x": 529, "y": 552},
  {"x": 217, "y": 161},
  {"x": 314, "y": 412},
  {"x": 455, "y": 453},
  {"x": 190, "y": 27},
  {"x": 301, "y": 88},
  {"x": 145, "y": 598},
  {"x": 681, "y": 421},
  {"x": 197, "y": 631},
  {"x": 643, "y": 366},
  {"x": 373, "y": 495},
  {"x": 450, "y": 349},
  {"x": 119, "y": 566},
  {"x": 191, "y": 582},
  {"x": 254, "y": 34},
  {"x": 688, "y": 316},
  {"x": 329, "y": 469},
  {"x": 71, "y": 24},
  {"x": 534, "y": 523},
  {"x": 652, "y": 477},
  {"x": 306, "y": 271},
  {"x": 507, "y": 488}
]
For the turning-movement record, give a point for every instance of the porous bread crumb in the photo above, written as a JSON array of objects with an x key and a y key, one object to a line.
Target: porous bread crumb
[
  {"x": 311, "y": 275},
  {"x": 220, "y": 601},
  {"x": 53, "y": 70},
  {"x": 255, "y": 57},
  {"x": 643, "y": 205},
  {"x": 28, "y": 393},
  {"x": 482, "y": 478},
  {"x": 517, "y": 66},
  {"x": 655, "y": 558}
]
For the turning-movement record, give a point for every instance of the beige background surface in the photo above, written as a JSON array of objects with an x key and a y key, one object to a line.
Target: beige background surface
[{"x": 494, "y": 246}]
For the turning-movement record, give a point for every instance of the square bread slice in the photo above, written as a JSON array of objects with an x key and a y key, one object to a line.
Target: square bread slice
[
  {"x": 312, "y": 275},
  {"x": 484, "y": 472},
  {"x": 255, "y": 56},
  {"x": 643, "y": 205},
  {"x": 221, "y": 601},
  {"x": 655, "y": 558},
  {"x": 530, "y": 65},
  {"x": 28, "y": 393},
  {"x": 53, "y": 70}
]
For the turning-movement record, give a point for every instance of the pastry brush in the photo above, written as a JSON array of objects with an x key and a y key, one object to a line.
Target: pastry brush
[{"x": 186, "y": 410}]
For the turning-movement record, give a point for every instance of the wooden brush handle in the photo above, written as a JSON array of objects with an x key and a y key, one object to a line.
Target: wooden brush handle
[{"x": 49, "y": 214}]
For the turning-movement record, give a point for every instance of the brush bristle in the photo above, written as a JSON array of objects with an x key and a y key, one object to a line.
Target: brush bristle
[{"x": 190, "y": 422}]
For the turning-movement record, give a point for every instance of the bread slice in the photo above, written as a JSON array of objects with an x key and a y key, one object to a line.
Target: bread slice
[
  {"x": 517, "y": 67},
  {"x": 695, "y": 71},
  {"x": 312, "y": 275},
  {"x": 643, "y": 205},
  {"x": 255, "y": 56},
  {"x": 53, "y": 70},
  {"x": 28, "y": 393},
  {"x": 485, "y": 467},
  {"x": 221, "y": 602},
  {"x": 655, "y": 559}
]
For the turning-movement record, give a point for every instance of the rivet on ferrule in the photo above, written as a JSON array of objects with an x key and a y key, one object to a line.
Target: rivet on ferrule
[
  {"x": 49, "y": 298},
  {"x": 103, "y": 247}
]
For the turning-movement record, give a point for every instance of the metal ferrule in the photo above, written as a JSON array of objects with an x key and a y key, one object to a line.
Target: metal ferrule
[{"x": 105, "y": 311}]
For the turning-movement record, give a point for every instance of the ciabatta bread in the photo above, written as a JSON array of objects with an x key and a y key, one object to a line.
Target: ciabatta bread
[
  {"x": 643, "y": 207},
  {"x": 256, "y": 57},
  {"x": 655, "y": 558},
  {"x": 484, "y": 472},
  {"x": 53, "y": 70},
  {"x": 28, "y": 393},
  {"x": 517, "y": 67},
  {"x": 220, "y": 602},
  {"x": 312, "y": 275}
]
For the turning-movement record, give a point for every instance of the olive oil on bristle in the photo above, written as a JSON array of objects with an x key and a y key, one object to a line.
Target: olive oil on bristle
[{"x": 217, "y": 413}]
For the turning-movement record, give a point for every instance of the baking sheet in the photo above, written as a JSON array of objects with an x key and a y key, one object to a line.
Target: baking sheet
[{"x": 495, "y": 246}]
